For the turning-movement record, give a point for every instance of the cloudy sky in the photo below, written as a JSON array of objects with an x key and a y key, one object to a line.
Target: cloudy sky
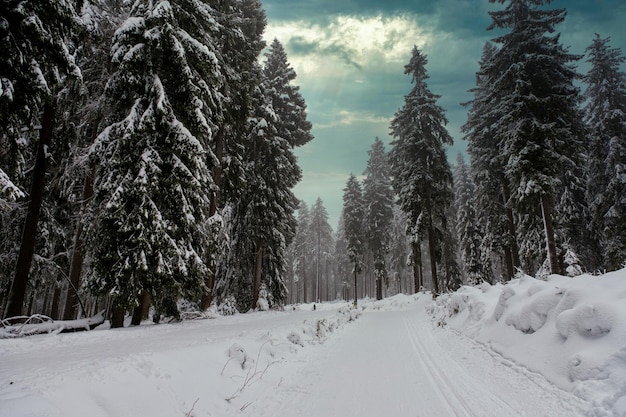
[{"x": 350, "y": 55}]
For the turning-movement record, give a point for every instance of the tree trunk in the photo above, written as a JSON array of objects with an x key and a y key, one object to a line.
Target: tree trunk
[
  {"x": 417, "y": 263},
  {"x": 117, "y": 317},
  {"x": 433, "y": 259},
  {"x": 508, "y": 260},
  {"x": 56, "y": 301},
  {"x": 546, "y": 211},
  {"x": 514, "y": 248},
  {"x": 304, "y": 292},
  {"x": 258, "y": 269},
  {"x": 76, "y": 263},
  {"x": 209, "y": 280},
  {"x": 355, "y": 285},
  {"x": 29, "y": 233},
  {"x": 140, "y": 312}
]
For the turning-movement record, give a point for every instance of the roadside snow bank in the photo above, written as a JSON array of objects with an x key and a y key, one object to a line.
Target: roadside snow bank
[
  {"x": 200, "y": 367},
  {"x": 571, "y": 330}
]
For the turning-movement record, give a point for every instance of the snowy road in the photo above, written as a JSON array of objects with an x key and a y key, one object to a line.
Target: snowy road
[{"x": 389, "y": 362}]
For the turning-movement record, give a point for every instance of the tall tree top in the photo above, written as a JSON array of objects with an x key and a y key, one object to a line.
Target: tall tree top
[{"x": 286, "y": 99}]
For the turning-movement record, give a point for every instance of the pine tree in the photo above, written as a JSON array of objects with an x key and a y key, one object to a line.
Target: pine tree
[
  {"x": 493, "y": 190},
  {"x": 342, "y": 262},
  {"x": 285, "y": 97},
  {"x": 82, "y": 120},
  {"x": 467, "y": 228},
  {"x": 378, "y": 199},
  {"x": 264, "y": 223},
  {"x": 353, "y": 216},
  {"x": 605, "y": 116},
  {"x": 34, "y": 61},
  {"x": 150, "y": 227},
  {"x": 399, "y": 251},
  {"x": 302, "y": 250},
  {"x": 539, "y": 131},
  {"x": 421, "y": 174},
  {"x": 321, "y": 235}
]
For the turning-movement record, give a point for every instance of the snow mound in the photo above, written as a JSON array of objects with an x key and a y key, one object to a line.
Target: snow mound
[{"x": 570, "y": 330}]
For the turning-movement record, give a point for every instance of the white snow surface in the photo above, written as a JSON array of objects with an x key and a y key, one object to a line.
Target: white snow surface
[{"x": 527, "y": 348}]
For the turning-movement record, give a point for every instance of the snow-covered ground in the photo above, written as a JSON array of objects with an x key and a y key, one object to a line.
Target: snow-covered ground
[{"x": 527, "y": 348}]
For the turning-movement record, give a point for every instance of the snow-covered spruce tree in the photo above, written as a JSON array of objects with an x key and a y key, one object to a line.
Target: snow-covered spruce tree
[
  {"x": 302, "y": 251},
  {"x": 81, "y": 121},
  {"x": 487, "y": 167},
  {"x": 422, "y": 178},
  {"x": 35, "y": 59},
  {"x": 540, "y": 131},
  {"x": 264, "y": 212},
  {"x": 399, "y": 251},
  {"x": 605, "y": 116},
  {"x": 342, "y": 262},
  {"x": 150, "y": 228},
  {"x": 239, "y": 42},
  {"x": 378, "y": 200},
  {"x": 321, "y": 235},
  {"x": 468, "y": 231},
  {"x": 353, "y": 218}
]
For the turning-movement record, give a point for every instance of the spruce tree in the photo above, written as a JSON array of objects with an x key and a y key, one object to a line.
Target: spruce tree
[
  {"x": 35, "y": 60},
  {"x": 475, "y": 263},
  {"x": 493, "y": 190},
  {"x": 605, "y": 116},
  {"x": 421, "y": 174},
  {"x": 540, "y": 133},
  {"x": 378, "y": 200},
  {"x": 263, "y": 214},
  {"x": 321, "y": 235},
  {"x": 353, "y": 217},
  {"x": 302, "y": 250},
  {"x": 150, "y": 228},
  {"x": 342, "y": 262}
]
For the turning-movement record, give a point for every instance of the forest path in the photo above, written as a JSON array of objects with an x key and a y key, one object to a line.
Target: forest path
[{"x": 393, "y": 363}]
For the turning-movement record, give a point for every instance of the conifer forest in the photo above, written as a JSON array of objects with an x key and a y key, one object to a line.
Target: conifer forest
[{"x": 147, "y": 166}]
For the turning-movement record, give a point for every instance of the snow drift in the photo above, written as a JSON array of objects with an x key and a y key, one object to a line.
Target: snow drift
[{"x": 571, "y": 330}]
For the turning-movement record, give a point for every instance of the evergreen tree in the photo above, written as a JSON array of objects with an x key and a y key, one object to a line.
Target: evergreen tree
[
  {"x": 263, "y": 214},
  {"x": 150, "y": 228},
  {"x": 34, "y": 61},
  {"x": 539, "y": 131},
  {"x": 493, "y": 190},
  {"x": 378, "y": 199},
  {"x": 302, "y": 250},
  {"x": 605, "y": 116},
  {"x": 321, "y": 235},
  {"x": 342, "y": 262},
  {"x": 470, "y": 236},
  {"x": 82, "y": 120},
  {"x": 421, "y": 174},
  {"x": 353, "y": 216},
  {"x": 399, "y": 250}
]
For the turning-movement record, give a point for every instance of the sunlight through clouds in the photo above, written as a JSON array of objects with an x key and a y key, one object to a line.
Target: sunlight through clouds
[{"x": 349, "y": 42}]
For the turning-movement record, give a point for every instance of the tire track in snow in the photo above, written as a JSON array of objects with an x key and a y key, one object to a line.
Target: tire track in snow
[{"x": 458, "y": 402}]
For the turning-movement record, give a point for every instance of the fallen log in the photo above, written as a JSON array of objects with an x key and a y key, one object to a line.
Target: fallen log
[{"x": 39, "y": 324}]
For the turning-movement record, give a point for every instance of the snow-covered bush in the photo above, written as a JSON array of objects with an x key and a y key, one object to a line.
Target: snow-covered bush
[
  {"x": 262, "y": 304},
  {"x": 227, "y": 307}
]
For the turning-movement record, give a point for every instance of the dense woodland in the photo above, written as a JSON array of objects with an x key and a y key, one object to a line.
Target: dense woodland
[{"x": 147, "y": 160}]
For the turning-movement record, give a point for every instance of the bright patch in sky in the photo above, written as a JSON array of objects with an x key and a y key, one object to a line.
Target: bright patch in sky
[{"x": 356, "y": 42}]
